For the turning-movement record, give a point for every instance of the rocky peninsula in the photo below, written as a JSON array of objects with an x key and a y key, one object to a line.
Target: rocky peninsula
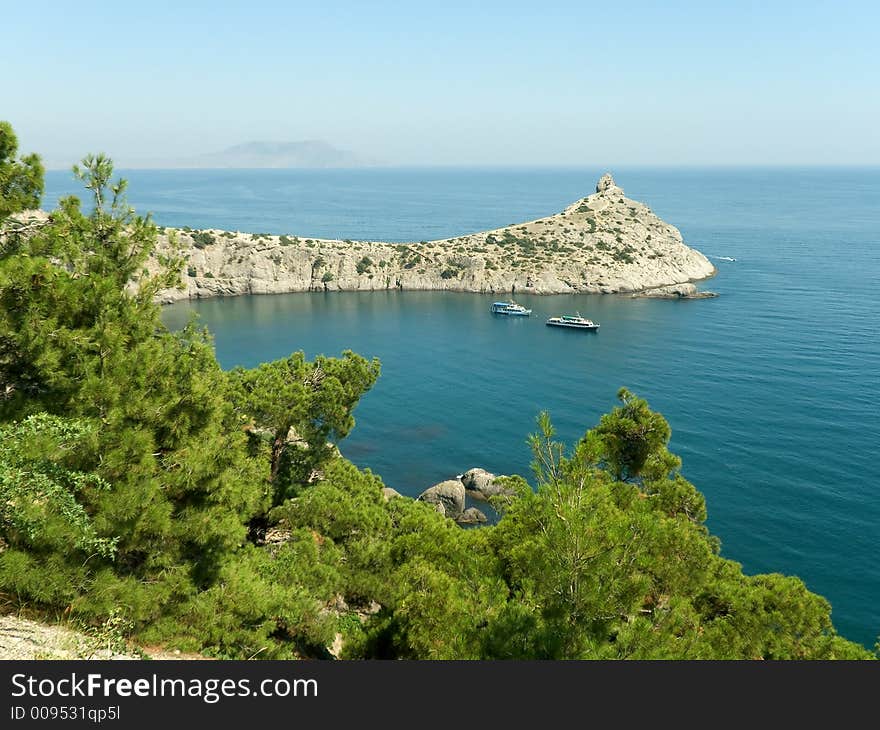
[{"x": 603, "y": 243}]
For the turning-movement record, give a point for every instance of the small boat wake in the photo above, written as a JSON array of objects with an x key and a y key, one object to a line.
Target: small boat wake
[{"x": 724, "y": 258}]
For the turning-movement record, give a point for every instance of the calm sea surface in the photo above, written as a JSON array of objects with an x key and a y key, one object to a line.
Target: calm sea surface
[{"x": 772, "y": 389}]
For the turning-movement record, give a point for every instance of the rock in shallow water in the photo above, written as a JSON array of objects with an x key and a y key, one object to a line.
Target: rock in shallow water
[
  {"x": 482, "y": 484},
  {"x": 450, "y": 494},
  {"x": 472, "y": 516}
]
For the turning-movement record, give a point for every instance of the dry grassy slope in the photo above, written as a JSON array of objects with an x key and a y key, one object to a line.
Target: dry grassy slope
[
  {"x": 24, "y": 639},
  {"x": 604, "y": 243}
]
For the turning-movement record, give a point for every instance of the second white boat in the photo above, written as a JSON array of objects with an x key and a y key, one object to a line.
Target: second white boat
[{"x": 575, "y": 322}]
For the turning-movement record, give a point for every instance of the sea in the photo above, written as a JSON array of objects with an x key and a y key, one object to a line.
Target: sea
[{"x": 772, "y": 389}]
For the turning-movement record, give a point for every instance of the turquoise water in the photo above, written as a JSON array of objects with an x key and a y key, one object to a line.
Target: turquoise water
[{"x": 771, "y": 389}]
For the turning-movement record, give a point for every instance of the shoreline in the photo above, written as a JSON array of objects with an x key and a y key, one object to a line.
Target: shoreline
[{"x": 638, "y": 294}]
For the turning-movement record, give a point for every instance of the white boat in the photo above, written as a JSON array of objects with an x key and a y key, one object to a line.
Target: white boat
[
  {"x": 510, "y": 308},
  {"x": 575, "y": 322}
]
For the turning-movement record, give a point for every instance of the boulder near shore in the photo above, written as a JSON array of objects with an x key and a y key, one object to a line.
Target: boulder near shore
[
  {"x": 481, "y": 484},
  {"x": 450, "y": 497}
]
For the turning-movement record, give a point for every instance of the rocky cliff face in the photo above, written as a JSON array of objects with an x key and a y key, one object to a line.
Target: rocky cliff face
[{"x": 604, "y": 243}]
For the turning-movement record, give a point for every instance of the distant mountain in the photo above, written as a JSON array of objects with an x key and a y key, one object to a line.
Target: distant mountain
[{"x": 308, "y": 153}]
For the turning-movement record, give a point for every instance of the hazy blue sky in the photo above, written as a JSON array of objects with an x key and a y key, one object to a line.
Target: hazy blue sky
[{"x": 541, "y": 83}]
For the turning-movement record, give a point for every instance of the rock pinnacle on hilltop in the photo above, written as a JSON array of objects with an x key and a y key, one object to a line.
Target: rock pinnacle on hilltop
[{"x": 606, "y": 183}]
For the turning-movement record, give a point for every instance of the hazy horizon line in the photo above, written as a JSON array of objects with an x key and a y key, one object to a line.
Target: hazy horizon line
[{"x": 512, "y": 166}]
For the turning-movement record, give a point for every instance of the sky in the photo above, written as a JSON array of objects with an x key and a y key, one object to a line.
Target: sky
[{"x": 448, "y": 83}]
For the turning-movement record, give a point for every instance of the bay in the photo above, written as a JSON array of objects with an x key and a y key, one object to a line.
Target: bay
[{"x": 771, "y": 389}]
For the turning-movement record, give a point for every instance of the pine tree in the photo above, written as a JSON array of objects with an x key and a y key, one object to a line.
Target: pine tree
[{"x": 21, "y": 180}]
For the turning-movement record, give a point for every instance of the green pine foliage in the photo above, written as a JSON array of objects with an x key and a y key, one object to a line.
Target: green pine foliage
[
  {"x": 21, "y": 180},
  {"x": 152, "y": 505},
  {"x": 300, "y": 408},
  {"x": 586, "y": 566},
  {"x": 39, "y": 511},
  {"x": 212, "y": 510}
]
